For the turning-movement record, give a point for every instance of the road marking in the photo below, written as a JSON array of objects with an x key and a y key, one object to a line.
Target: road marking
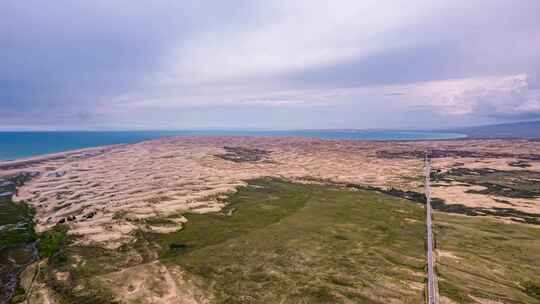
[{"x": 433, "y": 297}]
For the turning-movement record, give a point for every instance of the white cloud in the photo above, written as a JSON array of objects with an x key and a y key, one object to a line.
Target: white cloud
[
  {"x": 489, "y": 96},
  {"x": 295, "y": 35}
]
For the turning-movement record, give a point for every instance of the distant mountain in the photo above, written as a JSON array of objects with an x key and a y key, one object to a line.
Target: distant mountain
[{"x": 529, "y": 129}]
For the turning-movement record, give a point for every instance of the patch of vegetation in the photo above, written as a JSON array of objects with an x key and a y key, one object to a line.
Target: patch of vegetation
[
  {"x": 241, "y": 155},
  {"x": 159, "y": 221},
  {"x": 444, "y": 153},
  {"x": 519, "y": 164},
  {"x": 119, "y": 215},
  {"x": 449, "y": 290},
  {"x": 16, "y": 249},
  {"x": 511, "y": 183},
  {"x": 17, "y": 224},
  {"x": 490, "y": 259},
  {"x": 158, "y": 199},
  {"x": 510, "y": 213},
  {"x": 53, "y": 241},
  {"x": 73, "y": 271},
  {"x": 85, "y": 262},
  {"x": 87, "y": 291},
  {"x": 22, "y": 177},
  {"x": 532, "y": 289},
  {"x": 16, "y": 235},
  {"x": 294, "y": 243},
  {"x": 78, "y": 265},
  {"x": 19, "y": 295},
  {"x": 505, "y": 190},
  {"x": 60, "y": 207}
]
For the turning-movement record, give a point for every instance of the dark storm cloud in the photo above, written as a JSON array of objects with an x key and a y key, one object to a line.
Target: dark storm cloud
[{"x": 77, "y": 52}]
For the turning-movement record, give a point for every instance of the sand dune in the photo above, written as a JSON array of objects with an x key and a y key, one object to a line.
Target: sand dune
[{"x": 106, "y": 194}]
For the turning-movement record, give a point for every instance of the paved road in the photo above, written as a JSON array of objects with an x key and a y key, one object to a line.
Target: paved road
[{"x": 433, "y": 297}]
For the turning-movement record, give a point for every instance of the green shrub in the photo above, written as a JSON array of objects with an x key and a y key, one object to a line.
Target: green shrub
[{"x": 52, "y": 241}]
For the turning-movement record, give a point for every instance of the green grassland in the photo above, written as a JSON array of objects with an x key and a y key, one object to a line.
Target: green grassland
[
  {"x": 293, "y": 243},
  {"x": 492, "y": 260}
]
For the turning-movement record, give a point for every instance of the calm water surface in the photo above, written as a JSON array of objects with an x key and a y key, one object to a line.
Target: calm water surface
[{"x": 14, "y": 145}]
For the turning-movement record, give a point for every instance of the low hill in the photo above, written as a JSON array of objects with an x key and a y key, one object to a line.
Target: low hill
[{"x": 529, "y": 129}]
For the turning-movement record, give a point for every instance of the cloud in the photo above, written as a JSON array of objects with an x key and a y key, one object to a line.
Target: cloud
[
  {"x": 497, "y": 96},
  {"x": 83, "y": 64},
  {"x": 295, "y": 36}
]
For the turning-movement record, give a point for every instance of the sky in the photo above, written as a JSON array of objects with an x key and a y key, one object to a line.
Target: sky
[{"x": 280, "y": 64}]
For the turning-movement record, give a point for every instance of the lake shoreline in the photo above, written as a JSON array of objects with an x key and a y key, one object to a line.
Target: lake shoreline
[{"x": 17, "y": 146}]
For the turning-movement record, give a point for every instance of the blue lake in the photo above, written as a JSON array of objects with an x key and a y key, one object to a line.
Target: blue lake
[{"x": 14, "y": 145}]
